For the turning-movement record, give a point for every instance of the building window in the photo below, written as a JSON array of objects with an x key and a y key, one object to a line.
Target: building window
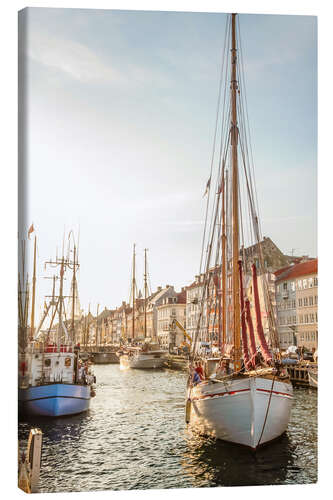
[
  {"x": 299, "y": 284},
  {"x": 316, "y": 316},
  {"x": 316, "y": 299},
  {"x": 311, "y": 301},
  {"x": 305, "y": 301},
  {"x": 285, "y": 286},
  {"x": 305, "y": 284},
  {"x": 292, "y": 286},
  {"x": 315, "y": 281},
  {"x": 293, "y": 303},
  {"x": 300, "y": 318},
  {"x": 300, "y": 302},
  {"x": 310, "y": 282},
  {"x": 306, "y": 318}
]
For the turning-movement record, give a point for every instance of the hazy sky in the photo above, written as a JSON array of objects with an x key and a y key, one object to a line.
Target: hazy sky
[{"x": 120, "y": 123}]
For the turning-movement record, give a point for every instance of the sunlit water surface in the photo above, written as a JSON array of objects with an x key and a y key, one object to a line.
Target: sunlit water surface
[{"x": 134, "y": 437}]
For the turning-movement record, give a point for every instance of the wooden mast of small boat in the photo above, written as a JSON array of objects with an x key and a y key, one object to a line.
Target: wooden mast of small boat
[
  {"x": 73, "y": 296},
  {"x": 133, "y": 292},
  {"x": 60, "y": 327},
  {"x": 88, "y": 327},
  {"x": 97, "y": 330},
  {"x": 145, "y": 292},
  {"x": 32, "y": 325},
  {"x": 235, "y": 222}
]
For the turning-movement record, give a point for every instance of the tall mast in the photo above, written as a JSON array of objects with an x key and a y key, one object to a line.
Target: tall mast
[
  {"x": 62, "y": 269},
  {"x": 235, "y": 222},
  {"x": 32, "y": 326},
  {"x": 133, "y": 291},
  {"x": 145, "y": 301},
  {"x": 88, "y": 326},
  {"x": 223, "y": 265},
  {"x": 97, "y": 331},
  {"x": 73, "y": 295}
]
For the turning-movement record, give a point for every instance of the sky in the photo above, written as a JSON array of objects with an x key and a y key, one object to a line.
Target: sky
[{"x": 119, "y": 125}]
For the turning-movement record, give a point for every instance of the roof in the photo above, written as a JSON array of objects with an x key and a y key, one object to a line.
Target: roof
[
  {"x": 195, "y": 284},
  {"x": 158, "y": 295},
  {"x": 298, "y": 270},
  {"x": 181, "y": 297}
]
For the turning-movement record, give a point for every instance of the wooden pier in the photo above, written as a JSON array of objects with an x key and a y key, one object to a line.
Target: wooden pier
[
  {"x": 176, "y": 362},
  {"x": 298, "y": 374}
]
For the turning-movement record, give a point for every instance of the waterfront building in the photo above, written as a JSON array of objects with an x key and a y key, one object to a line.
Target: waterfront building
[
  {"x": 173, "y": 307},
  {"x": 194, "y": 294},
  {"x": 154, "y": 301},
  {"x": 296, "y": 301},
  {"x": 273, "y": 258},
  {"x": 124, "y": 312},
  {"x": 285, "y": 293},
  {"x": 150, "y": 321},
  {"x": 307, "y": 304}
]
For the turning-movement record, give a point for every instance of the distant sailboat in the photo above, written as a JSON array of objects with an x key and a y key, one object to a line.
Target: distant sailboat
[
  {"x": 246, "y": 401},
  {"x": 146, "y": 355}
]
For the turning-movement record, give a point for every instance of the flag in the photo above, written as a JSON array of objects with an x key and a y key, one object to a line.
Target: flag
[
  {"x": 207, "y": 187},
  {"x": 31, "y": 230}
]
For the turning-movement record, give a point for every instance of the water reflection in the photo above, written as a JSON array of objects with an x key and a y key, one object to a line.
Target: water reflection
[
  {"x": 212, "y": 462},
  {"x": 134, "y": 437},
  {"x": 54, "y": 430},
  {"x": 290, "y": 459}
]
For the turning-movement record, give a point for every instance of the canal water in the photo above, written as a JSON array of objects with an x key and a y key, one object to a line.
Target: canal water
[{"x": 134, "y": 437}]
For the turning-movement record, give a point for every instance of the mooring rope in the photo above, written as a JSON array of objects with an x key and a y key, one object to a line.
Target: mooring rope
[{"x": 268, "y": 406}]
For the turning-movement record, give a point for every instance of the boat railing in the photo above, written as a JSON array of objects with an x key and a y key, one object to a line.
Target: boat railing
[{"x": 49, "y": 348}]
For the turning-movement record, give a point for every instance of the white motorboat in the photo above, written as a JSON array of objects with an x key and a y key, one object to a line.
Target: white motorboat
[{"x": 149, "y": 356}]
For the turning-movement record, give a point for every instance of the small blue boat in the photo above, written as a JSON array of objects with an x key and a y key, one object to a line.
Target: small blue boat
[
  {"x": 53, "y": 380},
  {"x": 54, "y": 400}
]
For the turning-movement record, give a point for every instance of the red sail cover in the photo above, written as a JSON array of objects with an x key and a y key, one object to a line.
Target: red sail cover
[
  {"x": 253, "y": 350},
  {"x": 263, "y": 344},
  {"x": 244, "y": 334}
]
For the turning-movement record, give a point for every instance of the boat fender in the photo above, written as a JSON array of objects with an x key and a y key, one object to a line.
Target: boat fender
[{"x": 188, "y": 411}]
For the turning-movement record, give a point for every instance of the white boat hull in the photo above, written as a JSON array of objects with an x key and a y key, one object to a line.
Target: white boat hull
[
  {"x": 236, "y": 410},
  {"x": 143, "y": 361}
]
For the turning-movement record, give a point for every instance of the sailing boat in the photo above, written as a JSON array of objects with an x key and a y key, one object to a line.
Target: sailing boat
[
  {"x": 53, "y": 381},
  {"x": 248, "y": 399},
  {"x": 146, "y": 355}
]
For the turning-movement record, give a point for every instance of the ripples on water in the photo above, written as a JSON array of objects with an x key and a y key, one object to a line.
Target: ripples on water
[{"x": 134, "y": 437}]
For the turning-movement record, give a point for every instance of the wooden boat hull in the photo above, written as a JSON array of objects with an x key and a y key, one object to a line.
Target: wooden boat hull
[
  {"x": 235, "y": 410},
  {"x": 54, "y": 400},
  {"x": 142, "y": 361}
]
